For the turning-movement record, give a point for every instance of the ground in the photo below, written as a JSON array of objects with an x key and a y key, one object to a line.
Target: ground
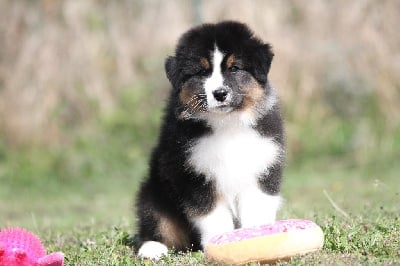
[{"x": 92, "y": 221}]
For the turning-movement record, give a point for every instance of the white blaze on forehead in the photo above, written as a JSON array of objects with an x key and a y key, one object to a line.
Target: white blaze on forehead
[{"x": 216, "y": 79}]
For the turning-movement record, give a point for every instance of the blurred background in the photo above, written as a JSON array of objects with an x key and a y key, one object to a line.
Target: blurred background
[{"x": 82, "y": 88}]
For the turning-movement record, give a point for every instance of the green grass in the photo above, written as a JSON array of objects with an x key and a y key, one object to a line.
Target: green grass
[
  {"x": 79, "y": 197},
  {"x": 92, "y": 220}
]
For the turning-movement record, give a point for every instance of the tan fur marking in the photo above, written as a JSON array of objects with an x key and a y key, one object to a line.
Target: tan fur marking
[
  {"x": 173, "y": 233},
  {"x": 254, "y": 94},
  {"x": 230, "y": 61},
  {"x": 185, "y": 96},
  {"x": 204, "y": 63}
]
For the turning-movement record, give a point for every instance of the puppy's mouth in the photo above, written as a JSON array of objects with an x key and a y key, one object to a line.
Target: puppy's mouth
[{"x": 222, "y": 108}]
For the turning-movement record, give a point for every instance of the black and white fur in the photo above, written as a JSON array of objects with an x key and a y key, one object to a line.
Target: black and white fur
[{"x": 219, "y": 158}]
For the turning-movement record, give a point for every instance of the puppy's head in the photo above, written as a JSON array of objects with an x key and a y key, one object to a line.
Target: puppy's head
[{"x": 219, "y": 69}]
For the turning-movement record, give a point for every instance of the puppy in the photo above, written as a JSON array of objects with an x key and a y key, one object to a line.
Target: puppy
[{"x": 219, "y": 159}]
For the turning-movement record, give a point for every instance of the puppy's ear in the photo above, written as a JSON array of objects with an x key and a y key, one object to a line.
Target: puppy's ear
[
  {"x": 266, "y": 50},
  {"x": 171, "y": 70},
  {"x": 264, "y": 57}
]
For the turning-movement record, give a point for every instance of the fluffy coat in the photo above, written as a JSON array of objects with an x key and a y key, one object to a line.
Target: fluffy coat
[{"x": 220, "y": 154}]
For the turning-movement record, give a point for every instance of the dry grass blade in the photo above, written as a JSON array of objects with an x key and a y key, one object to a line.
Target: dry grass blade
[{"x": 342, "y": 212}]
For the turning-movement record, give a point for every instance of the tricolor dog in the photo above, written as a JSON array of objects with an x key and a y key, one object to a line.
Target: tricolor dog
[{"x": 220, "y": 154}]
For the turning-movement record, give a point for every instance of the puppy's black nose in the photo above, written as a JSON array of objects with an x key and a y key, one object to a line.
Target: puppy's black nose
[{"x": 220, "y": 94}]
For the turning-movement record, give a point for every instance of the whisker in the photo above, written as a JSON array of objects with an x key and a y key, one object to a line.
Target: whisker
[
  {"x": 193, "y": 107},
  {"x": 197, "y": 103},
  {"x": 191, "y": 100},
  {"x": 196, "y": 97}
]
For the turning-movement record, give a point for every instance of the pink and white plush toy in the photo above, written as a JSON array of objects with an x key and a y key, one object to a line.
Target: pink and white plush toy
[{"x": 19, "y": 247}]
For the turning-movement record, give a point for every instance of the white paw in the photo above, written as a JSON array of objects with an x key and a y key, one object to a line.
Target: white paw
[{"x": 152, "y": 250}]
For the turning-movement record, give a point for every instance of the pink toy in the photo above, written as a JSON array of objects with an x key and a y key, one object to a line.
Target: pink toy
[
  {"x": 19, "y": 247},
  {"x": 265, "y": 243}
]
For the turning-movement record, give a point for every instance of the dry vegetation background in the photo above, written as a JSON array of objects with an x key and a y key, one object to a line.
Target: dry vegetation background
[
  {"x": 65, "y": 64},
  {"x": 82, "y": 87}
]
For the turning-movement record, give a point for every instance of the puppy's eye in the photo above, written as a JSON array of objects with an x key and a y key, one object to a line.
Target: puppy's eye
[{"x": 233, "y": 68}]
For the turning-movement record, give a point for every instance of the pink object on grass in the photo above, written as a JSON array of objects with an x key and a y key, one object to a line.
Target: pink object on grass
[
  {"x": 19, "y": 247},
  {"x": 280, "y": 226}
]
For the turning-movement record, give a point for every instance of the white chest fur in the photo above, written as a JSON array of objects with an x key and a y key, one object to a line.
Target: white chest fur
[{"x": 234, "y": 155}]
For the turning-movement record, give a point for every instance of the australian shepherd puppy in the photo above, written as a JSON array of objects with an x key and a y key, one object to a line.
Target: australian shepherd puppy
[{"x": 219, "y": 158}]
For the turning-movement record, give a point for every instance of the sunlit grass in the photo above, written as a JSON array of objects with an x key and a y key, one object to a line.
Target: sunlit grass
[
  {"x": 79, "y": 196},
  {"x": 92, "y": 220}
]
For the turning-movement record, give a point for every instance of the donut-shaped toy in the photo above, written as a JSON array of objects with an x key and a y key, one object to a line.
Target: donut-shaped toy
[{"x": 265, "y": 243}]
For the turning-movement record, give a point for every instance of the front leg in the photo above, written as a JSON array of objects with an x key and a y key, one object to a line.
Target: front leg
[
  {"x": 208, "y": 214},
  {"x": 259, "y": 204},
  {"x": 257, "y": 207},
  {"x": 218, "y": 220}
]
